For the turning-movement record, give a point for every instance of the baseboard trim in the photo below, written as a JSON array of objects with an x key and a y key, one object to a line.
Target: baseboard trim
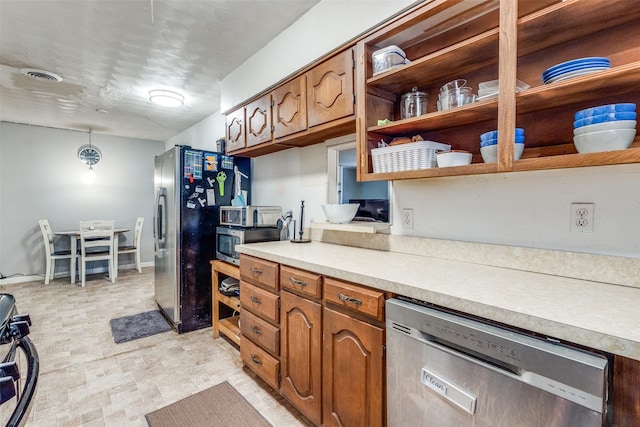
[{"x": 40, "y": 277}]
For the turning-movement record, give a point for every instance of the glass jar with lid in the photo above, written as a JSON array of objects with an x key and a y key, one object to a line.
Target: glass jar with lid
[{"x": 413, "y": 104}]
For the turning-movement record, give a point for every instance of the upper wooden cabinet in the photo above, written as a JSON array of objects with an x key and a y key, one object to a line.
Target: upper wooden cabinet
[
  {"x": 313, "y": 106},
  {"x": 236, "y": 139},
  {"x": 290, "y": 107},
  {"x": 258, "y": 119},
  {"x": 504, "y": 40},
  {"x": 330, "y": 93}
]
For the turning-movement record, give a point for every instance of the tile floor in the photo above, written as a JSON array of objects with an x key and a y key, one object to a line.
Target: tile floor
[{"x": 88, "y": 380}]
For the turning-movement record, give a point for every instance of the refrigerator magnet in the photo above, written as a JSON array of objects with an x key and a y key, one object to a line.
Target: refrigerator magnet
[
  {"x": 191, "y": 204},
  {"x": 210, "y": 162}
]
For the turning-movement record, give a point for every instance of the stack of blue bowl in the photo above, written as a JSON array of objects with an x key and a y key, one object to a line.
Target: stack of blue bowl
[
  {"x": 575, "y": 68},
  {"x": 604, "y": 128},
  {"x": 489, "y": 145}
]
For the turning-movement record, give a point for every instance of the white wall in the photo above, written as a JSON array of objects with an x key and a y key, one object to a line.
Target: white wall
[
  {"x": 203, "y": 135},
  {"x": 529, "y": 209},
  {"x": 329, "y": 24},
  {"x": 42, "y": 178}
]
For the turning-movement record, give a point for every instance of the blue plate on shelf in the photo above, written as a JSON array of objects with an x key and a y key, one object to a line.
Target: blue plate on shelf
[
  {"x": 605, "y": 109},
  {"x": 576, "y": 70},
  {"x": 610, "y": 117},
  {"x": 573, "y": 67},
  {"x": 571, "y": 74},
  {"x": 581, "y": 63}
]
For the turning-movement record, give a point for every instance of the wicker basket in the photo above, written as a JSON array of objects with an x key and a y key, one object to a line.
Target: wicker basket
[{"x": 407, "y": 157}]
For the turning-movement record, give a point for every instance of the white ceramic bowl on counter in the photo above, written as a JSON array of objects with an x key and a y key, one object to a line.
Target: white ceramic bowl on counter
[
  {"x": 604, "y": 140},
  {"x": 340, "y": 213}
]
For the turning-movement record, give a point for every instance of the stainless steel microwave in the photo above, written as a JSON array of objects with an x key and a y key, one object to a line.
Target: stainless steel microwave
[
  {"x": 228, "y": 238},
  {"x": 250, "y": 216}
]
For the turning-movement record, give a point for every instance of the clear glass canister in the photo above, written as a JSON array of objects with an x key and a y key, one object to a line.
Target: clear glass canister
[{"x": 413, "y": 104}]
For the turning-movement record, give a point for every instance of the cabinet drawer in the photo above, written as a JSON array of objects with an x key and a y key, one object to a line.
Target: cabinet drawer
[
  {"x": 260, "y": 362},
  {"x": 259, "y": 271},
  {"x": 356, "y": 298},
  {"x": 259, "y": 301},
  {"x": 303, "y": 282},
  {"x": 260, "y": 332}
]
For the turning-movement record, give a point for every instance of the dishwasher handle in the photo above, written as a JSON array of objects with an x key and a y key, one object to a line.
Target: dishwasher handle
[{"x": 453, "y": 393}]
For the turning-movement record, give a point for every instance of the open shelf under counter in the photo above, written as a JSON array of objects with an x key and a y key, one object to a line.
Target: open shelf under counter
[{"x": 230, "y": 328}]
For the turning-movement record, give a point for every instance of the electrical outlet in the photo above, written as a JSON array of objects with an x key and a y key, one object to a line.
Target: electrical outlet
[
  {"x": 407, "y": 218},
  {"x": 582, "y": 217}
]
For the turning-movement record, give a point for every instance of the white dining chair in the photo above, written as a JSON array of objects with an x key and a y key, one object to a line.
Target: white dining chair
[
  {"x": 52, "y": 255},
  {"x": 135, "y": 248},
  {"x": 96, "y": 243}
]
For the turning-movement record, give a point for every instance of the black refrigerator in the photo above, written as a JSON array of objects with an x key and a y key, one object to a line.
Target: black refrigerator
[{"x": 190, "y": 186}]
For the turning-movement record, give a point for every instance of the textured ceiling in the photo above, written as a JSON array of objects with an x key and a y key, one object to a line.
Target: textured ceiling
[{"x": 110, "y": 53}]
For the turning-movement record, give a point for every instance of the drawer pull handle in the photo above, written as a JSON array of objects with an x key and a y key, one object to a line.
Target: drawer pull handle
[
  {"x": 256, "y": 330},
  {"x": 255, "y": 360},
  {"x": 256, "y": 270},
  {"x": 297, "y": 281},
  {"x": 345, "y": 298},
  {"x": 255, "y": 299}
]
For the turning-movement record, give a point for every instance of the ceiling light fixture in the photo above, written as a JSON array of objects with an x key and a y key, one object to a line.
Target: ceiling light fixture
[{"x": 166, "y": 98}]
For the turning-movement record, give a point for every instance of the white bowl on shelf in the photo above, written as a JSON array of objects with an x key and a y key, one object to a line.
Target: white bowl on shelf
[
  {"x": 604, "y": 140},
  {"x": 490, "y": 152},
  {"x": 453, "y": 158},
  {"x": 620, "y": 124},
  {"x": 340, "y": 213}
]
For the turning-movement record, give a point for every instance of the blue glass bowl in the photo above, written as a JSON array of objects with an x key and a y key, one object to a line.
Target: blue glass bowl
[
  {"x": 605, "y": 109},
  {"x": 610, "y": 117}
]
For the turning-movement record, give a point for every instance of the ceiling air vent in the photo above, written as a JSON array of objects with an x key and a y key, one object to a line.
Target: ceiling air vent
[{"x": 41, "y": 75}]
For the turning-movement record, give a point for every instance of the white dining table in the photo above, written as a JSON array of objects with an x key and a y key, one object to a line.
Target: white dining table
[{"x": 74, "y": 235}]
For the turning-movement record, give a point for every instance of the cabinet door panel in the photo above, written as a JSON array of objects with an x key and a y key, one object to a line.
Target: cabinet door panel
[
  {"x": 330, "y": 89},
  {"x": 290, "y": 107},
  {"x": 353, "y": 372},
  {"x": 235, "y": 130},
  {"x": 301, "y": 354},
  {"x": 259, "y": 121}
]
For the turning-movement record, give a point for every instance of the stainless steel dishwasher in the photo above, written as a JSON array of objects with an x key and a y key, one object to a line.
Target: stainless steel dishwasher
[{"x": 447, "y": 370}]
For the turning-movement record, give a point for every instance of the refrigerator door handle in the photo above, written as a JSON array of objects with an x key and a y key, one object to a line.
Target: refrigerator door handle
[{"x": 161, "y": 206}]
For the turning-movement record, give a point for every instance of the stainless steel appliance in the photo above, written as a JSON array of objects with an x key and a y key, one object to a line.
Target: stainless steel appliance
[
  {"x": 250, "y": 216},
  {"x": 448, "y": 370},
  {"x": 190, "y": 187},
  {"x": 227, "y": 238}
]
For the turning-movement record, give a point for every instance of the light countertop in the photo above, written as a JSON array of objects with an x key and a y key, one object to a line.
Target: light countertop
[{"x": 594, "y": 314}]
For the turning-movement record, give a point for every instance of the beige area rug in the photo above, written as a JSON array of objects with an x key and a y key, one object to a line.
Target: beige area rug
[{"x": 220, "y": 405}]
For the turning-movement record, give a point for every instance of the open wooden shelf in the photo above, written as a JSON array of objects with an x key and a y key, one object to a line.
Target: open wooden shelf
[
  {"x": 555, "y": 32},
  {"x": 230, "y": 328}
]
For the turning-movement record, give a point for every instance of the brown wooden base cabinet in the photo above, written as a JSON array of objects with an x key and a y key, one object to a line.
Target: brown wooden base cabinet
[
  {"x": 301, "y": 354},
  {"x": 353, "y": 369}
]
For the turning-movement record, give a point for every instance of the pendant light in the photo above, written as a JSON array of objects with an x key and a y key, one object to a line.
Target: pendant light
[{"x": 90, "y": 155}]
